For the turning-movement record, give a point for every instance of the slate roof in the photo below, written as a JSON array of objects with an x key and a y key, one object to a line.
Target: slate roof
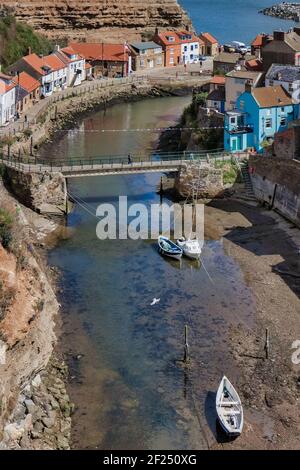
[
  {"x": 284, "y": 73},
  {"x": 143, "y": 46}
]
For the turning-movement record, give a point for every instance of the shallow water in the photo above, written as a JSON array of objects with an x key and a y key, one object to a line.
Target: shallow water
[{"x": 126, "y": 378}]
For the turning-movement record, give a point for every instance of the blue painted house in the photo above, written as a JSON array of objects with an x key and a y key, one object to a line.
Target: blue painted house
[{"x": 259, "y": 114}]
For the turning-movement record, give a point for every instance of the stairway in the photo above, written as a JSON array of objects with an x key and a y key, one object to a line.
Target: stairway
[{"x": 247, "y": 180}]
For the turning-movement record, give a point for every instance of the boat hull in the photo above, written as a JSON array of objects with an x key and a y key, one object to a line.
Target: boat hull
[
  {"x": 191, "y": 248},
  {"x": 167, "y": 248},
  {"x": 229, "y": 409}
]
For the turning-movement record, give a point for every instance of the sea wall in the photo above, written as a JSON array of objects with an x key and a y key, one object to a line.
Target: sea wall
[{"x": 277, "y": 183}]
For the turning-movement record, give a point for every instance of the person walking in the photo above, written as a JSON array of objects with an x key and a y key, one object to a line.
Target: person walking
[{"x": 129, "y": 159}]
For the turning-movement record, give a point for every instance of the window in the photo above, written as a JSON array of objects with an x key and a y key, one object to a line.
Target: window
[
  {"x": 171, "y": 60},
  {"x": 172, "y": 50},
  {"x": 196, "y": 46},
  {"x": 271, "y": 82},
  {"x": 171, "y": 38},
  {"x": 283, "y": 121},
  {"x": 158, "y": 61},
  {"x": 142, "y": 63},
  {"x": 185, "y": 48},
  {"x": 232, "y": 120},
  {"x": 291, "y": 87},
  {"x": 268, "y": 123},
  {"x": 192, "y": 47}
]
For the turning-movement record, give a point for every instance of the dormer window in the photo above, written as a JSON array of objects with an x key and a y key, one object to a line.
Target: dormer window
[{"x": 171, "y": 38}]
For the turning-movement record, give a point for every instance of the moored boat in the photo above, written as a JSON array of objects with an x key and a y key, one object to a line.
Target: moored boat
[
  {"x": 229, "y": 408},
  {"x": 190, "y": 247},
  {"x": 168, "y": 248}
]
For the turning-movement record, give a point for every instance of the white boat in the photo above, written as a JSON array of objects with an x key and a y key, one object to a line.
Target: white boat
[
  {"x": 190, "y": 247},
  {"x": 229, "y": 408},
  {"x": 168, "y": 248}
]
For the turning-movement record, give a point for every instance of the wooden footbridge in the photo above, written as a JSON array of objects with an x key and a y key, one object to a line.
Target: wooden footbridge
[{"x": 115, "y": 164}]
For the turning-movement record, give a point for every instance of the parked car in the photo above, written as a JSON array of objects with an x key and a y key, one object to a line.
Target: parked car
[{"x": 228, "y": 48}]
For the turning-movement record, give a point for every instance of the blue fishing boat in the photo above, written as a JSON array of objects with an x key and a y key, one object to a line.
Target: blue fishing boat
[{"x": 168, "y": 248}]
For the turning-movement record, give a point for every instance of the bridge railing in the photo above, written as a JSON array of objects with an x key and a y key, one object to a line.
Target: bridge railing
[{"x": 113, "y": 161}]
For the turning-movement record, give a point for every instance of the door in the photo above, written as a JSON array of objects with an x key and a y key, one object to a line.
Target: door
[{"x": 234, "y": 144}]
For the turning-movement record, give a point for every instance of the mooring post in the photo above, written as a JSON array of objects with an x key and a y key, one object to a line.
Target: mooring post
[
  {"x": 186, "y": 346},
  {"x": 267, "y": 343},
  {"x": 66, "y": 189}
]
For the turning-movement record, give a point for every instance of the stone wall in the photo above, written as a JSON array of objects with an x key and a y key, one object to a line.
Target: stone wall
[
  {"x": 44, "y": 193},
  {"x": 277, "y": 182},
  {"x": 200, "y": 180}
]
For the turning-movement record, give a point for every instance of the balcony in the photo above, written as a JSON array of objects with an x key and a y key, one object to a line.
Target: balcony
[{"x": 240, "y": 129}]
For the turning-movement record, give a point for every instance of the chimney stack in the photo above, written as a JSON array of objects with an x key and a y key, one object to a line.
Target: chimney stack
[
  {"x": 29, "y": 51},
  {"x": 279, "y": 35},
  {"x": 248, "y": 87}
]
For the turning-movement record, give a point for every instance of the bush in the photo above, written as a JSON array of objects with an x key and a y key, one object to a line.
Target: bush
[{"x": 6, "y": 223}]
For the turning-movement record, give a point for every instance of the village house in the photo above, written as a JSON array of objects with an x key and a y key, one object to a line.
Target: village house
[
  {"x": 216, "y": 96},
  {"x": 50, "y": 71},
  {"x": 211, "y": 45},
  {"x": 27, "y": 91},
  {"x": 235, "y": 85},
  {"x": 107, "y": 60},
  {"x": 254, "y": 65},
  {"x": 225, "y": 62},
  {"x": 284, "y": 48},
  {"x": 179, "y": 47},
  {"x": 75, "y": 64},
  {"x": 258, "y": 42},
  {"x": 259, "y": 114},
  {"x": 7, "y": 99},
  {"x": 146, "y": 55},
  {"x": 287, "y": 76}
]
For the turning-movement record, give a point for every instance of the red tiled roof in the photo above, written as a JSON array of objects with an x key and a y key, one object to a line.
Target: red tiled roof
[
  {"x": 51, "y": 61},
  {"x": 8, "y": 84},
  {"x": 258, "y": 41},
  {"x": 218, "y": 80},
  {"x": 164, "y": 35},
  {"x": 209, "y": 37},
  {"x": 54, "y": 62},
  {"x": 26, "y": 81},
  {"x": 254, "y": 64},
  {"x": 97, "y": 51}
]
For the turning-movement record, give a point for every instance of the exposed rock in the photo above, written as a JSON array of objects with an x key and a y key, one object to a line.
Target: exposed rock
[
  {"x": 94, "y": 19},
  {"x": 202, "y": 180},
  {"x": 44, "y": 193},
  {"x": 284, "y": 10}
]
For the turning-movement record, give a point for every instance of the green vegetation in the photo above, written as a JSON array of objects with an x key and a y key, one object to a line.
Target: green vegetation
[
  {"x": 16, "y": 38},
  {"x": 6, "y": 223},
  {"x": 231, "y": 171}
]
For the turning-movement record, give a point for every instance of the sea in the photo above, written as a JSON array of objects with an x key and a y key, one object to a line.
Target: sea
[{"x": 233, "y": 20}]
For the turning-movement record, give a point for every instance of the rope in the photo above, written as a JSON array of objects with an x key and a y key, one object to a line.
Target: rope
[{"x": 149, "y": 129}]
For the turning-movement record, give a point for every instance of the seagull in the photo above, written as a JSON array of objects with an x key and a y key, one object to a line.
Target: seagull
[{"x": 155, "y": 301}]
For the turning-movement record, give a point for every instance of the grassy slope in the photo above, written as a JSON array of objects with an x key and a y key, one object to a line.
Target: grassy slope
[{"x": 16, "y": 38}]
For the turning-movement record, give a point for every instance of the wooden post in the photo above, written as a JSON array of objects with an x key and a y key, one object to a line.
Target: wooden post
[
  {"x": 186, "y": 346},
  {"x": 31, "y": 146},
  {"x": 267, "y": 343},
  {"x": 66, "y": 196}
]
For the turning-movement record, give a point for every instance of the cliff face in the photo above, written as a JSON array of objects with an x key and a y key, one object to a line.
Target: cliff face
[{"x": 94, "y": 19}]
